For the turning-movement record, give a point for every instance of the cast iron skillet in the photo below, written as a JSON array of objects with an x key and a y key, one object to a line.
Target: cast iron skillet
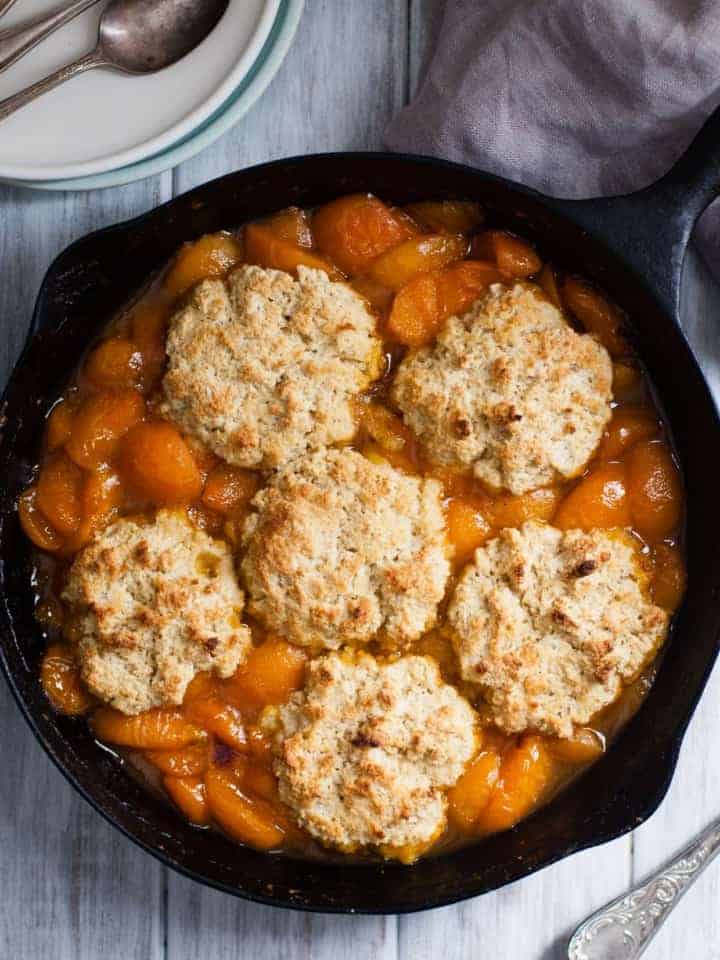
[{"x": 633, "y": 246}]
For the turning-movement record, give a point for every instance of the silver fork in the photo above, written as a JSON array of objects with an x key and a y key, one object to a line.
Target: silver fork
[
  {"x": 17, "y": 41},
  {"x": 623, "y": 929}
]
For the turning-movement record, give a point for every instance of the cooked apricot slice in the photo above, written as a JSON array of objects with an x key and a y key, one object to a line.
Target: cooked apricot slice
[
  {"x": 58, "y": 493},
  {"x": 354, "y": 230},
  {"x": 159, "y": 729},
  {"x": 599, "y": 500},
  {"x": 385, "y": 427},
  {"x": 100, "y": 423},
  {"x": 292, "y": 224},
  {"x": 447, "y": 216},
  {"x": 512, "y": 510},
  {"x": 268, "y": 249},
  {"x": 149, "y": 326},
  {"x": 471, "y": 794},
  {"x": 524, "y": 776},
  {"x": 462, "y": 283},
  {"x": 100, "y": 498},
  {"x": 584, "y": 746},
  {"x": 513, "y": 256},
  {"x": 669, "y": 577},
  {"x": 208, "y": 258},
  {"x": 260, "y": 781},
  {"x": 467, "y": 527},
  {"x": 158, "y": 464},
  {"x": 189, "y": 761},
  {"x": 272, "y": 671},
  {"x": 190, "y": 795},
  {"x": 252, "y": 821},
  {"x": 219, "y": 718},
  {"x": 61, "y": 681},
  {"x": 654, "y": 489},
  {"x": 416, "y": 316},
  {"x": 628, "y": 425},
  {"x": 400, "y": 264},
  {"x": 115, "y": 363},
  {"x": 59, "y": 425},
  {"x": 229, "y": 488},
  {"x": 423, "y": 305},
  {"x": 549, "y": 285},
  {"x": 35, "y": 526},
  {"x": 596, "y": 314}
]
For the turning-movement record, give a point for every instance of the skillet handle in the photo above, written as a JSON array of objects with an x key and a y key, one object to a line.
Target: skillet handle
[{"x": 650, "y": 229}]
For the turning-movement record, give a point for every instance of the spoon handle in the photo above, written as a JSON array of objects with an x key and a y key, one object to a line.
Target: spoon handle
[
  {"x": 5, "y": 6},
  {"x": 18, "y": 100},
  {"x": 623, "y": 929},
  {"x": 17, "y": 41}
]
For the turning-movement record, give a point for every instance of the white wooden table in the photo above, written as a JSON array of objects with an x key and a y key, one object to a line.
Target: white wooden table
[{"x": 71, "y": 888}]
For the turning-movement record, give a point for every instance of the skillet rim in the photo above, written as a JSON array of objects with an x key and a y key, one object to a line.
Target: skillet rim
[{"x": 557, "y": 208}]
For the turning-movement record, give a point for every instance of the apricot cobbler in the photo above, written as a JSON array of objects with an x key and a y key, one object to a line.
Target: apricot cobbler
[{"x": 357, "y": 531}]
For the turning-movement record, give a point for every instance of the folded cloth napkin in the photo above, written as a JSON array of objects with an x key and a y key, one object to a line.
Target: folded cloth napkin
[{"x": 576, "y": 98}]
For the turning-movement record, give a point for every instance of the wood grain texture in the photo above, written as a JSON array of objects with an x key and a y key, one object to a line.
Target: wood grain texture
[
  {"x": 343, "y": 79},
  {"x": 73, "y": 888},
  {"x": 694, "y": 796}
]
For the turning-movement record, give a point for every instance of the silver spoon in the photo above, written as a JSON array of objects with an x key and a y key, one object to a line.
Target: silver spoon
[
  {"x": 5, "y": 6},
  {"x": 135, "y": 37},
  {"x": 623, "y": 929},
  {"x": 17, "y": 41}
]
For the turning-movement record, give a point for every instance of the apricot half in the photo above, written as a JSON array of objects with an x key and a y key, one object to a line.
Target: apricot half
[
  {"x": 423, "y": 305},
  {"x": 249, "y": 820},
  {"x": 525, "y": 774},
  {"x": 447, "y": 216},
  {"x": 100, "y": 423},
  {"x": 159, "y": 729},
  {"x": 513, "y": 256},
  {"x": 397, "y": 266},
  {"x": 354, "y": 230},
  {"x": 59, "y": 493},
  {"x": 267, "y": 248},
  {"x": 654, "y": 490},
  {"x": 60, "y": 678},
  {"x": 599, "y": 500},
  {"x": 472, "y": 793},
  {"x": 158, "y": 464},
  {"x": 596, "y": 314},
  {"x": 208, "y": 258}
]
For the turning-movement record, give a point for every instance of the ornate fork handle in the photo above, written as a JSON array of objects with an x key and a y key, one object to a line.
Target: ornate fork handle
[{"x": 623, "y": 929}]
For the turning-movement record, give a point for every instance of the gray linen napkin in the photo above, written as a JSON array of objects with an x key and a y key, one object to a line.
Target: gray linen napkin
[{"x": 576, "y": 98}]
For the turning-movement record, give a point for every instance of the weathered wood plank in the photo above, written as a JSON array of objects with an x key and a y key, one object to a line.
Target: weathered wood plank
[
  {"x": 343, "y": 79},
  {"x": 258, "y": 933},
  {"x": 73, "y": 887},
  {"x": 692, "y": 801}
]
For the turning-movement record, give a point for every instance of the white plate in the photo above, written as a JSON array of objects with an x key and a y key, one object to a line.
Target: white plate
[
  {"x": 241, "y": 100},
  {"x": 105, "y": 120}
]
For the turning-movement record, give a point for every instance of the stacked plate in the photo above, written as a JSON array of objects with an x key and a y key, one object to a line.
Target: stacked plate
[{"x": 104, "y": 128}]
